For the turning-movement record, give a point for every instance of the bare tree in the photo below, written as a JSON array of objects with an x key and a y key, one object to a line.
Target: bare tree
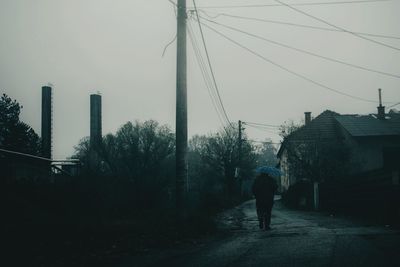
[
  {"x": 314, "y": 158},
  {"x": 216, "y": 159},
  {"x": 266, "y": 154}
]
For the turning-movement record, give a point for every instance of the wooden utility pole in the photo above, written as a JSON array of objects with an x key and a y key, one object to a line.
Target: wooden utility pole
[
  {"x": 240, "y": 143},
  {"x": 240, "y": 155},
  {"x": 181, "y": 108}
]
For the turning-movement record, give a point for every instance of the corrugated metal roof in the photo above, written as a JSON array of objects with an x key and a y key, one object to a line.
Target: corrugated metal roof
[{"x": 370, "y": 125}]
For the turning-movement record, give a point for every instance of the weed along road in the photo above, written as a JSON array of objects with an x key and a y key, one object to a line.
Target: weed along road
[{"x": 297, "y": 238}]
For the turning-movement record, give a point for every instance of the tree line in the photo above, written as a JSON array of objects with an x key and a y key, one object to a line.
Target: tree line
[
  {"x": 131, "y": 173},
  {"x": 142, "y": 156}
]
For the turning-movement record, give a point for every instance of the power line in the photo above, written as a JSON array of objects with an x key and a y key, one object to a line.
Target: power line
[
  {"x": 264, "y": 129},
  {"x": 394, "y": 105},
  {"x": 206, "y": 78},
  {"x": 337, "y": 27},
  {"x": 288, "y": 70},
  {"x": 261, "y": 124},
  {"x": 167, "y": 45},
  {"x": 172, "y": 2},
  {"x": 304, "y": 51},
  {"x": 263, "y": 142},
  {"x": 294, "y": 4},
  {"x": 295, "y": 24},
  {"x": 201, "y": 64},
  {"x": 209, "y": 64}
]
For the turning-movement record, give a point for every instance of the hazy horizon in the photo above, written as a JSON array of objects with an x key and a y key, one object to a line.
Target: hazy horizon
[{"x": 115, "y": 47}]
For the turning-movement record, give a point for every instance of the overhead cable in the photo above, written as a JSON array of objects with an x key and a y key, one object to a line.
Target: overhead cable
[
  {"x": 276, "y": 131},
  {"x": 261, "y": 124},
  {"x": 394, "y": 105},
  {"x": 294, "y": 24},
  {"x": 167, "y": 45},
  {"x": 286, "y": 69},
  {"x": 334, "y": 26},
  {"x": 209, "y": 64},
  {"x": 172, "y": 2},
  {"x": 304, "y": 51},
  {"x": 262, "y": 142},
  {"x": 295, "y": 4},
  {"x": 204, "y": 73}
]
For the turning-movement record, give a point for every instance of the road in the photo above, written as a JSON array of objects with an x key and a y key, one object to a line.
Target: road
[{"x": 297, "y": 238}]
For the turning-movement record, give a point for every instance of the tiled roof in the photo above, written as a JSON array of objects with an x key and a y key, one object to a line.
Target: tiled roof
[
  {"x": 370, "y": 125},
  {"x": 322, "y": 127},
  {"x": 326, "y": 127}
]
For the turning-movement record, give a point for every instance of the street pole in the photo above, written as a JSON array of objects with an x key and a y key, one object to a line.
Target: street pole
[
  {"x": 240, "y": 155},
  {"x": 181, "y": 108},
  {"x": 240, "y": 142}
]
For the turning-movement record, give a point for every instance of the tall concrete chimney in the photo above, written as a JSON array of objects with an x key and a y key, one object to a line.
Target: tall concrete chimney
[
  {"x": 47, "y": 128},
  {"x": 381, "y": 109},
  {"x": 95, "y": 120},
  {"x": 307, "y": 118}
]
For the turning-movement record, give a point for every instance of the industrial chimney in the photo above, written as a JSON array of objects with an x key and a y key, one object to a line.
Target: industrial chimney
[
  {"x": 307, "y": 118},
  {"x": 47, "y": 128},
  {"x": 95, "y": 120},
  {"x": 381, "y": 109}
]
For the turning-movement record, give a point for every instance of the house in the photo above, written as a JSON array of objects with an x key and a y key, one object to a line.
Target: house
[
  {"x": 374, "y": 140},
  {"x": 334, "y": 145}
]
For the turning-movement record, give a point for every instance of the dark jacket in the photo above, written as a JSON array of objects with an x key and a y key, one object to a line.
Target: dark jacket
[{"x": 264, "y": 189}]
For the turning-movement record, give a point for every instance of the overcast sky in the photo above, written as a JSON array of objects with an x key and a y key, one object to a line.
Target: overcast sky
[{"x": 115, "y": 47}]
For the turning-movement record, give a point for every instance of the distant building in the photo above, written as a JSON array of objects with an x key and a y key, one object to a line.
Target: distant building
[
  {"x": 333, "y": 144},
  {"x": 374, "y": 141}
]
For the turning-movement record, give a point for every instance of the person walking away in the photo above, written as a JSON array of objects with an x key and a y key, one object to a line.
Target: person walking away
[{"x": 264, "y": 189}]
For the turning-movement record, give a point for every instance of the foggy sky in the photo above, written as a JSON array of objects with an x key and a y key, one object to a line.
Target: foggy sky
[{"x": 115, "y": 47}]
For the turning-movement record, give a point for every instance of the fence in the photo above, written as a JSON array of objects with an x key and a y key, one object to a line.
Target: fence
[{"x": 16, "y": 166}]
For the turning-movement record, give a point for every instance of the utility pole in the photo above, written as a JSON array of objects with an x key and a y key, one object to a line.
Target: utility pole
[
  {"x": 240, "y": 143},
  {"x": 240, "y": 139},
  {"x": 181, "y": 108}
]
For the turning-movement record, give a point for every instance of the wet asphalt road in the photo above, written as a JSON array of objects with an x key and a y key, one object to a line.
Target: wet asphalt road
[{"x": 297, "y": 238}]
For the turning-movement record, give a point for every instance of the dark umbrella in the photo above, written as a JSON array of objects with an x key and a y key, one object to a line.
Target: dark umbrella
[{"x": 271, "y": 171}]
